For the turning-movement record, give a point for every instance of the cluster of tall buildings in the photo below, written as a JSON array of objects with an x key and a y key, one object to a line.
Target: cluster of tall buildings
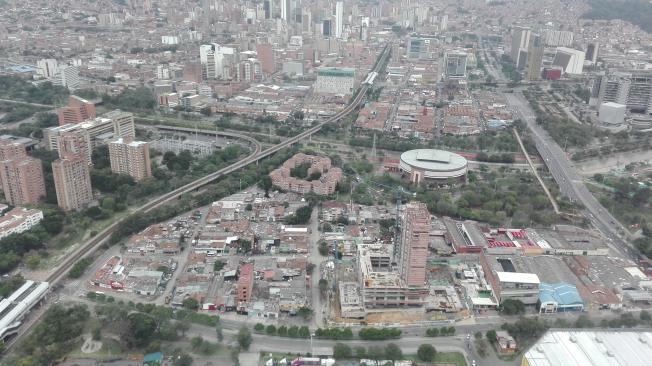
[
  {"x": 64, "y": 75},
  {"x": 75, "y": 143},
  {"x": 22, "y": 176},
  {"x": 527, "y": 51}
]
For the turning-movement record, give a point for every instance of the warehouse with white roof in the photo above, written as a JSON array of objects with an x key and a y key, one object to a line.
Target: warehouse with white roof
[{"x": 591, "y": 348}]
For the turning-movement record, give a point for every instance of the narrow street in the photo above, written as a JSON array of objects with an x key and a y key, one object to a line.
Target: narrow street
[{"x": 315, "y": 258}]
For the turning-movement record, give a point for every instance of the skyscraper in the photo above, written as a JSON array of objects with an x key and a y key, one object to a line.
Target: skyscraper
[
  {"x": 67, "y": 76},
  {"x": 339, "y": 19},
  {"x": 414, "y": 244},
  {"x": 266, "y": 56},
  {"x": 75, "y": 142},
  {"x": 216, "y": 60},
  {"x": 455, "y": 62},
  {"x": 534, "y": 58},
  {"x": 21, "y": 175},
  {"x": 267, "y": 8},
  {"x": 47, "y": 67},
  {"x": 285, "y": 10},
  {"x": 131, "y": 158},
  {"x": 592, "y": 52},
  {"x": 520, "y": 43},
  {"x": 72, "y": 182}
]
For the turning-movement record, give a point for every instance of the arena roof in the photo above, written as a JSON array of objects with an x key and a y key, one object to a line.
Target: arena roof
[
  {"x": 434, "y": 160},
  {"x": 591, "y": 348}
]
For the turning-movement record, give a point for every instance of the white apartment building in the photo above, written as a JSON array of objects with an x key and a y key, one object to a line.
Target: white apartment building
[
  {"x": 47, "y": 67},
  {"x": 19, "y": 220}
]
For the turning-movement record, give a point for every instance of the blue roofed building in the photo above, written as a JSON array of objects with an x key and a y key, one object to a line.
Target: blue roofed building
[
  {"x": 153, "y": 359},
  {"x": 559, "y": 297}
]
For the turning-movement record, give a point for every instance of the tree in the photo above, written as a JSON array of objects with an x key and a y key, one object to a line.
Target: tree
[
  {"x": 491, "y": 335},
  {"x": 244, "y": 245},
  {"x": 323, "y": 248},
  {"x": 259, "y": 327},
  {"x": 323, "y": 285},
  {"x": 244, "y": 338},
  {"x": 270, "y": 329},
  {"x": 282, "y": 331},
  {"x": 426, "y": 353},
  {"x": 196, "y": 342},
  {"x": 304, "y": 332},
  {"x": 218, "y": 265},
  {"x": 183, "y": 326},
  {"x": 645, "y": 316},
  {"x": 183, "y": 360},
  {"x": 360, "y": 352},
  {"x": 190, "y": 303},
  {"x": 142, "y": 328},
  {"x": 375, "y": 352},
  {"x": 393, "y": 352},
  {"x": 300, "y": 217},
  {"x": 512, "y": 307},
  {"x": 583, "y": 321},
  {"x": 293, "y": 331},
  {"x": 32, "y": 261},
  {"x": 341, "y": 350}
]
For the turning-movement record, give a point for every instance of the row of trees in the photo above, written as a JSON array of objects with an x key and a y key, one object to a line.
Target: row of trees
[
  {"x": 379, "y": 334},
  {"x": 528, "y": 329},
  {"x": 283, "y": 331},
  {"x": 178, "y": 314},
  {"x": 440, "y": 332},
  {"x": 334, "y": 333},
  {"x": 390, "y": 352}
]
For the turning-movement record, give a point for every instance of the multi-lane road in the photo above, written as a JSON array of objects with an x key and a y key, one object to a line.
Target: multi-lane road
[{"x": 570, "y": 183}]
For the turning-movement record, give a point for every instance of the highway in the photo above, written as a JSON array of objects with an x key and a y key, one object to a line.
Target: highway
[{"x": 570, "y": 183}]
